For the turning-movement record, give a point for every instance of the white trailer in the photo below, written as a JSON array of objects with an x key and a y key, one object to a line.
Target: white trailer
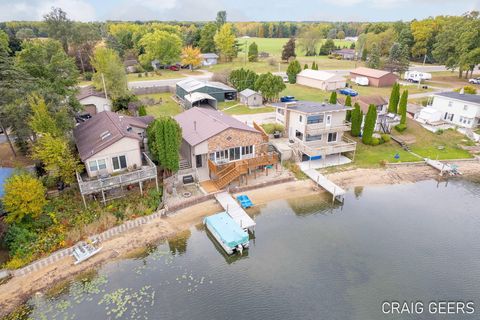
[
  {"x": 416, "y": 76},
  {"x": 361, "y": 81}
]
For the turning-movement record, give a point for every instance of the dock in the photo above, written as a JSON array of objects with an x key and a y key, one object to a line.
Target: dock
[
  {"x": 442, "y": 167},
  {"x": 336, "y": 191},
  {"x": 234, "y": 210}
]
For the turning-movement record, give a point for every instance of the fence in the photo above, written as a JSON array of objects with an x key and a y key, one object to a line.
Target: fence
[{"x": 153, "y": 89}]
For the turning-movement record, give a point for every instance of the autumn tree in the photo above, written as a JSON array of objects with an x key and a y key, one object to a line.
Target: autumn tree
[
  {"x": 41, "y": 121},
  {"x": 24, "y": 197},
  {"x": 109, "y": 69},
  {"x": 162, "y": 46},
  {"x": 164, "y": 141},
  {"x": 357, "y": 118},
  {"x": 225, "y": 42},
  {"x": 270, "y": 86},
  {"x": 369, "y": 125},
  {"x": 191, "y": 56},
  {"x": 289, "y": 50},
  {"x": 293, "y": 69}
]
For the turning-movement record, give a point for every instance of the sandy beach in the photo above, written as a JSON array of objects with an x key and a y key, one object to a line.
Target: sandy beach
[{"x": 18, "y": 289}]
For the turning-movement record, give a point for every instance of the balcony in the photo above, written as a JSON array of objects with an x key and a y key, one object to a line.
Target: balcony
[
  {"x": 146, "y": 172},
  {"x": 320, "y": 128},
  {"x": 315, "y": 148}
]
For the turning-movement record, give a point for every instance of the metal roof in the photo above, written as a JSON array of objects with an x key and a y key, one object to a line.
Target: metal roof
[
  {"x": 473, "y": 98},
  {"x": 311, "y": 106},
  {"x": 192, "y": 84},
  {"x": 368, "y": 72},
  {"x": 248, "y": 92},
  {"x": 320, "y": 75},
  {"x": 198, "y": 96},
  {"x": 209, "y": 55}
]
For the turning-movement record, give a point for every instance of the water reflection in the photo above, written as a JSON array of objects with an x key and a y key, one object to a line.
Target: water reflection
[
  {"x": 312, "y": 204},
  {"x": 178, "y": 243}
]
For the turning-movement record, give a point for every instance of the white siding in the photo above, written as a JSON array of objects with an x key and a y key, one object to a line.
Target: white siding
[{"x": 462, "y": 111}]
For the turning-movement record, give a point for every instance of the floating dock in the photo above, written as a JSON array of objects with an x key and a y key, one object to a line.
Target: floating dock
[
  {"x": 234, "y": 210},
  {"x": 227, "y": 232},
  {"x": 442, "y": 167},
  {"x": 336, "y": 191}
]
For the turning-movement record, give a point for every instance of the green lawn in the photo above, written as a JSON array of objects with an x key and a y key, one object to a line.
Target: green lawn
[
  {"x": 426, "y": 145},
  {"x": 164, "y": 105},
  {"x": 305, "y": 93},
  {"x": 164, "y": 74},
  {"x": 241, "y": 108}
]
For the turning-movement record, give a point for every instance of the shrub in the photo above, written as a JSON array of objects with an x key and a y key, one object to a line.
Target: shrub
[
  {"x": 270, "y": 128},
  {"x": 467, "y": 90},
  {"x": 295, "y": 169},
  {"x": 16, "y": 262},
  {"x": 383, "y": 163},
  {"x": 272, "y": 62},
  {"x": 400, "y": 127},
  {"x": 18, "y": 240},
  {"x": 375, "y": 141},
  {"x": 139, "y": 75},
  {"x": 386, "y": 137},
  {"x": 88, "y": 76},
  {"x": 439, "y": 131},
  {"x": 142, "y": 111}
]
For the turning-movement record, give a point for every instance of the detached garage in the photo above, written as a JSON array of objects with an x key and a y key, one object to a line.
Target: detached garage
[
  {"x": 376, "y": 78},
  {"x": 321, "y": 80}
]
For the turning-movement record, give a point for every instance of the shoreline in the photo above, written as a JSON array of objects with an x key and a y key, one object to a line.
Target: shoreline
[{"x": 19, "y": 289}]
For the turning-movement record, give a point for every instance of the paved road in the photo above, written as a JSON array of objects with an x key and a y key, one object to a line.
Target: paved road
[{"x": 167, "y": 82}]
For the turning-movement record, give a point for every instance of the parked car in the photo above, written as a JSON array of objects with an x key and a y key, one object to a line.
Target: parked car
[
  {"x": 174, "y": 68},
  {"x": 474, "y": 80},
  {"x": 287, "y": 99},
  {"x": 349, "y": 92}
]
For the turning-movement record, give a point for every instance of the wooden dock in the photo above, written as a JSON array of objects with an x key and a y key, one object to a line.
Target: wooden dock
[
  {"x": 442, "y": 167},
  {"x": 235, "y": 211},
  {"x": 336, "y": 191}
]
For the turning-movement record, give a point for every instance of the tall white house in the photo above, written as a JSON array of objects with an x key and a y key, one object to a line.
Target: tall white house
[{"x": 459, "y": 109}]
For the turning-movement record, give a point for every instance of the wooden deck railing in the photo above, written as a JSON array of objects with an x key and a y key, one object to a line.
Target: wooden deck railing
[
  {"x": 260, "y": 128},
  {"x": 318, "y": 128},
  {"x": 322, "y": 149}
]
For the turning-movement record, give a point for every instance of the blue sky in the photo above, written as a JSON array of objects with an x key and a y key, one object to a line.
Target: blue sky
[{"x": 238, "y": 10}]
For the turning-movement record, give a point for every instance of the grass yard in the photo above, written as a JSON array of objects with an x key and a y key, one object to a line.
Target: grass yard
[
  {"x": 385, "y": 91},
  {"x": 235, "y": 108},
  {"x": 305, "y": 93},
  {"x": 164, "y": 74},
  {"x": 426, "y": 145},
  {"x": 164, "y": 105}
]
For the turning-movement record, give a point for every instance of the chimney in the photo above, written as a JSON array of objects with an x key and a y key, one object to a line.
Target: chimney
[{"x": 195, "y": 125}]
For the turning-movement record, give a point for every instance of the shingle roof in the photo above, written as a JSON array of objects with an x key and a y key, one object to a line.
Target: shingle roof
[
  {"x": 88, "y": 91},
  {"x": 311, "y": 106},
  {"x": 103, "y": 130},
  {"x": 366, "y": 101},
  {"x": 344, "y": 51},
  {"x": 192, "y": 84},
  {"x": 368, "y": 72},
  {"x": 320, "y": 75},
  {"x": 248, "y": 92},
  {"x": 209, "y": 55},
  {"x": 474, "y": 98},
  {"x": 200, "y": 124}
]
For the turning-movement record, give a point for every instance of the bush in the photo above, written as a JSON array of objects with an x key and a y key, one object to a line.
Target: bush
[
  {"x": 142, "y": 111},
  {"x": 383, "y": 163},
  {"x": 139, "y": 75},
  {"x": 88, "y": 76},
  {"x": 439, "y": 131},
  {"x": 295, "y": 169},
  {"x": 386, "y": 137},
  {"x": 375, "y": 142},
  {"x": 18, "y": 240},
  {"x": 270, "y": 128},
  {"x": 272, "y": 62},
  {"x": 400, "y": 127}
]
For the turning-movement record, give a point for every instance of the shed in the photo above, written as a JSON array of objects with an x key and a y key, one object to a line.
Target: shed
[
  {"x": 251, "y": 98},
  {"x": 346, "y": 54},
  {"x": 209, "y": 59},
  {"x": 199, "y": 99},
  {"x": 376, "y": 78},
  {"x": 321, "y": 80},
  {"x": 217, "y": 90}
]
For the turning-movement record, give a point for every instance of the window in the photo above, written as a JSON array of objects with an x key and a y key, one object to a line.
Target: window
[
  {"x": 221, "y": 156},
  {"x": 198, "y": 160},
  {"x": 119, "y": 163},
  {"x": 332, "y": 137},
  {"x": 246, "y": 151},
  {"x": 314, "y": 137},
  {"x": 448, "y": 116},
  {"x": 299, "y": 135},
  {"x": 300, "y": 118},
  {"x": 235, "y": 153},
  {"x": 329, "y": 119},
  {"x": 96, "y": 165},
  {"x": 315, "y": 119}
]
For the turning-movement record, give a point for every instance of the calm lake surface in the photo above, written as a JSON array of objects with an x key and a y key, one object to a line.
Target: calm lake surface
[{"x": 415, "y": 242}]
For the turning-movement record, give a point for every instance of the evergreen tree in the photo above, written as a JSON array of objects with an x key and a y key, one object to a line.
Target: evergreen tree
[
  {"x": 348, "y": 103},
  {"x": 253, "y": 52},
  {"x": 333, "y": 98},
  {"x": 369, "y": 126},
  {"x": 289, "y": 50},
  {"x": 394, "y": 98},
  {"x": 357, "y": 118},
  {"x": 402, "y": 107},
  {"x": 364, "y": 54},
  {"x": 293, "y": 69},
  {"x": 164, "y": 141},
  {"x": 374, "y": 58},
  {"x": 316, "y": 66}
]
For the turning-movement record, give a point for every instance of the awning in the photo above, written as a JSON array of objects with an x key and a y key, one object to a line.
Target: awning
[{"x": 198, "y": 96}]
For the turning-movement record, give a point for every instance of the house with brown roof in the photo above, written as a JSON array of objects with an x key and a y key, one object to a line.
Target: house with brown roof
[
  {"x": 219, "y": 147},
  {"x": 93, "y": 101},
  {"x": 376, "y": 78}
]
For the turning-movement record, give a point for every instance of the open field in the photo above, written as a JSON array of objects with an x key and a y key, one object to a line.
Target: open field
[{"x": 164, "y": 105}]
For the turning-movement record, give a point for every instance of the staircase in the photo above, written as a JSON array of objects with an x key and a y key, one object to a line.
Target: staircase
[{"x": 184, "y": 164}]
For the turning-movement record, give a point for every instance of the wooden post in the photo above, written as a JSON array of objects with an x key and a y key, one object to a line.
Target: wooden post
[
  {"x": 84, "y": 202},
  {"x": 156, "y": 182},
  {"x": 141, "y": 189},
  {"x": 103, "y": 197}
]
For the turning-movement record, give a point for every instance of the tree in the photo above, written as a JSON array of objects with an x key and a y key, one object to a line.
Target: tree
[
  {"x": 327, "y": 47},
  {"x": 24, "y": 34},
  {"x": 253, "y": 52},
  {"x": 221, "y": 19},
  {"x": 341, "y": 34},
  {"x": 191, "y": 56},
  {"x": 333, "y": 98},
  {"x": 305, "y": 66},
  {"x": 225, "y": 42},
  {"x": 242, "y": 79},
  {"x": 402, "y": 108},
  {"x": 289, "y": 50},
  {"x": 207, "y": 34},
  {"x": 56, "y": 155},
  {"x": 109, "y": 69},
  {"x": 348, "y": 103},
  {"x": 270, "y": 86},
  {"x": 398, "y": 59},
  {"x": 162, "y": 46},
  {"x": 85, "y": 36},
  {"x": 58, "y": 26},
  {"x": 24, "y": 196},
  {"x": 4, "y": 42},
  {"x": 164, "y": 141},
  {"x": 309, "y": 38},
  {"x": 357, "y": 118},
  {"x": 42, "y": 122},
  {"x": 374, "y": 58},
  {"x": 293, "y": 69},
  {"x": 364, "y": 54},
  {"x": 369, "y": 126},
  {"x": 394, "y": 98},
  {"x": 314, "y": 66}
]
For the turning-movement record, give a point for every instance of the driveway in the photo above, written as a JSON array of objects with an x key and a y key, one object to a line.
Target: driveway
[{"x": 167, "y": 82}]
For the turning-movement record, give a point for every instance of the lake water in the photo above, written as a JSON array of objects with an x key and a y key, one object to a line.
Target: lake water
[{"x": 415, "y": 242}]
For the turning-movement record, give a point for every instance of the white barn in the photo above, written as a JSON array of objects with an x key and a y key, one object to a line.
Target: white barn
[{"x": 321, "y": 80}]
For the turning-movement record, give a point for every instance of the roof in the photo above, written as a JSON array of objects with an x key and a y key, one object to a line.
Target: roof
[
  {"x": 472, "y": 98},
  {"x": 200, "y": 124},
  {"x": 89, "y": 91},
  {"x": 104, "y": 129},
  {"x": 209, "y": 55},
  {"x": 248, "y": 93},
  {"x": 320, "y": 75},
  {"x": 372, "y": 73},
  {"x": 192, "y": 84},
  {"x": 344, "y": 51},
  {"x": 366, "y": 101},
  {"x": 198, "y": 96},
  {"x": 311, "y": 106}
]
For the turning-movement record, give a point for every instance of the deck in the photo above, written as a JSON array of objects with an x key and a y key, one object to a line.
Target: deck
[
  {"x": 235, "y": 211},
  {"x": 336, "y": 191},
  {"x": 442, "y": 167}
]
